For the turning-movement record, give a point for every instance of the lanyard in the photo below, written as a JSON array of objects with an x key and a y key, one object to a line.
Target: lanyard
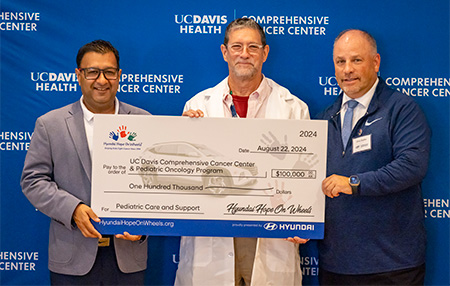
[{"x": 233, "y": 110}]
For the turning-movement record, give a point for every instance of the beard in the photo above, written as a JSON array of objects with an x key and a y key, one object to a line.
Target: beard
[{"x": 244, "y": 71}]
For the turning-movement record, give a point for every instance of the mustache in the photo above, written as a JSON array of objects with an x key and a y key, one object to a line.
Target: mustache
[{"x": 245, "y": 62}]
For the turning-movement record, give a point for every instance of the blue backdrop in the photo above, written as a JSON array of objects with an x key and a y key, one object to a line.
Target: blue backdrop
[{"x": 170, "y": 50}]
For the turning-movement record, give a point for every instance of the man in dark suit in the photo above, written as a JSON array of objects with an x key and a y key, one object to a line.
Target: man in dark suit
[{"x": 57, "y": 180}]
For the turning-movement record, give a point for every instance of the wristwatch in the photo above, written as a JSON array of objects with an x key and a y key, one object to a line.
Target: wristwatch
[{"x": 354, "y": 183}]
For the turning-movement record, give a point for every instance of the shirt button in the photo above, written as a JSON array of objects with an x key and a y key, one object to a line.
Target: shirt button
[{"x": 230, "y": 254}]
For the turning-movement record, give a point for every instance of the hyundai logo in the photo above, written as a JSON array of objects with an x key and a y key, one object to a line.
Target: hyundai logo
[{"x": 270, "y": 226}]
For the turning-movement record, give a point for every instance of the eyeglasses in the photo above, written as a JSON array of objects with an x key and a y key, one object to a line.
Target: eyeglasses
[
  {"x": 94, "y": 73},
  {"x": 251, "y": 48}
]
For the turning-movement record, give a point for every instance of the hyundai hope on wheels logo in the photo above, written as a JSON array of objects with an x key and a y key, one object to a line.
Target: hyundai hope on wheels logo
[
  {"x": 122, "y": 133},
  {"x": 121, "y": 139},
  {"x": 270, "y": 226}
]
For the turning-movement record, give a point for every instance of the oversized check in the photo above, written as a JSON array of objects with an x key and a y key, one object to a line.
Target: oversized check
[{"x": 162, "y": 175}]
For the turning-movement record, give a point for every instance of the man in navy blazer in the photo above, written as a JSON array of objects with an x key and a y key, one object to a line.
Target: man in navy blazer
[
  {"x": 57, "y": 180},
  {"x": 374, "y": 211}
]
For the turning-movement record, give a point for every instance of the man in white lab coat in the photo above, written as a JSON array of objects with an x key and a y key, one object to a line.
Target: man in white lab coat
[{"x": 245, "y": 93}]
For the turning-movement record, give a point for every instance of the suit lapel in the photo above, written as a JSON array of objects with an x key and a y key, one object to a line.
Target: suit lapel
[
  {"x": 123, "y": 109},
  {"x": 75, "y": 125}
]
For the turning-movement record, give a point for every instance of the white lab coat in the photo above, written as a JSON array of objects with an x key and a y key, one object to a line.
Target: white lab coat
[
  {"x": 281, "y": 103},
  {"x": 210, "y": 260}
]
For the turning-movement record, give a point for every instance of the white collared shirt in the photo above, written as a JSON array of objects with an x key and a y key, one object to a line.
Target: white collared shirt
[
  {"x": 361, "y": 109},
  {"x": 89, "y": 121},
  {"x": 257, "y": 102}
]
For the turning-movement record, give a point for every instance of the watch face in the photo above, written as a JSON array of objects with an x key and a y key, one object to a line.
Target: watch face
[{"x": 354, "y": 180}]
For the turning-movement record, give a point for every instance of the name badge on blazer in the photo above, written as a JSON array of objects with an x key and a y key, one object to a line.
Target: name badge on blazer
[{"x": 363, "y": 143}]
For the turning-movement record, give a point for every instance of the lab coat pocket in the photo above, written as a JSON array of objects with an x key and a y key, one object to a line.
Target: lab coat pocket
[{"x": 203, "y": 251}]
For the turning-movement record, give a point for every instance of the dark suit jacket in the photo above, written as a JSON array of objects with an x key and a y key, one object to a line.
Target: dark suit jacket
[{"x": 57, "y": 177}]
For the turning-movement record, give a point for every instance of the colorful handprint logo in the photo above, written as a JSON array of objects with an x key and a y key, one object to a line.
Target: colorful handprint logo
[{"x": 122, "y": 133}]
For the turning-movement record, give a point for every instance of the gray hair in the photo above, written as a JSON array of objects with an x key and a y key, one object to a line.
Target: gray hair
[{"x": 241, "y": 23}]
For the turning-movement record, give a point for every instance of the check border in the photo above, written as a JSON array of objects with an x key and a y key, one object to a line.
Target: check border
[{"x": 224, "y": 228}]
